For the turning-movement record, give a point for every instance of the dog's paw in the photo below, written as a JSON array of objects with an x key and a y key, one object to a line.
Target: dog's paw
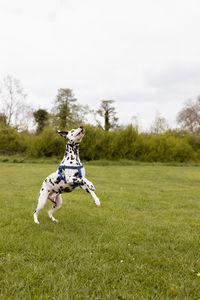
[
  {"x": 51, "y": 217},
  {"x": 54, "y": 220},
  {"x": 97, "y": 202},
  {"x": 35, "y": 219}
]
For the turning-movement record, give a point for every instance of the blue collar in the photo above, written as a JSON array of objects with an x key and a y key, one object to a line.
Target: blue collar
[{"x": 61, "y": 167}]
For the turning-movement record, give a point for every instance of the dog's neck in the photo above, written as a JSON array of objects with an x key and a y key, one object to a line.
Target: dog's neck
[{"x": 71, "y": 157}]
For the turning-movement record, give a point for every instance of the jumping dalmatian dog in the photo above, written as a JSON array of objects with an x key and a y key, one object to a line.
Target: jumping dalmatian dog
[{"x": 70, "y": 174}]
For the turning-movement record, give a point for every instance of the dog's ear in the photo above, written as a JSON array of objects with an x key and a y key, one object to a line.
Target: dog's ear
[{"x": 62, "y": 133}]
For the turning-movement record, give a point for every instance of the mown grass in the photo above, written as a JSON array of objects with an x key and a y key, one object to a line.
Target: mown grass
[
  {"x": 142, "y": 243},
  {"x": 102, "y": 162}
]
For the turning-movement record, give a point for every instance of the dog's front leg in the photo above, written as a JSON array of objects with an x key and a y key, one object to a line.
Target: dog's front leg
[
  {"x": 80, "y": 181},
  {"x": 88, "y": 184},
  {"x": 89, "y": 191}
]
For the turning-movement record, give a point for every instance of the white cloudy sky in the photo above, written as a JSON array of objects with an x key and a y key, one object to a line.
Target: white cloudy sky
[{"x": 145, "y": 54}]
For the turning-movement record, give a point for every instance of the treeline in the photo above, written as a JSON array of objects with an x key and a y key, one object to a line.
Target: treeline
[
  {"x": 106, "y": 139},
  {"x": 123, "y": 143}
]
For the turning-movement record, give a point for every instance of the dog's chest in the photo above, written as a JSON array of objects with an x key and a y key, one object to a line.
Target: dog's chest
[{"x": 54, "y": 183}]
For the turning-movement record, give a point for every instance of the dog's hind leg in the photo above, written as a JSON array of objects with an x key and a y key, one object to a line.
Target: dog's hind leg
[
  {"x": 41, "y": 203},
  {"x": 94, "y": 196},
  {"x": 57, "y": 204}
]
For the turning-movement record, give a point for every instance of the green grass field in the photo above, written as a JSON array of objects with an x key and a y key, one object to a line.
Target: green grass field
[{"x": 142, "y": 243}]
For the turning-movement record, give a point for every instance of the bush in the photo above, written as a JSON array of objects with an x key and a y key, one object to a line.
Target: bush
[
  {"x": 165, "y": 148},
  {"x": 11, "y": 142},
  {"x": 124, "y": 143},
  {"x": 46, "y": 144}
]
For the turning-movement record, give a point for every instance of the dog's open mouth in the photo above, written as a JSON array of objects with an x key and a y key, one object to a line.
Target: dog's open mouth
[{"x": 80, "y": 133}]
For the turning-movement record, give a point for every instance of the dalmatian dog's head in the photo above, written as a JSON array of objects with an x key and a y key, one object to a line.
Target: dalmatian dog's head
[{"x": 74, "y": 135}]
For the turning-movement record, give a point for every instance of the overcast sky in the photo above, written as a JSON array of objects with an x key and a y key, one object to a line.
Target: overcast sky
[{"x": 144, "y": 54}]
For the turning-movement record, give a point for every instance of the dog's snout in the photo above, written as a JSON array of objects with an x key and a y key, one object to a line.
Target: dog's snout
[{"x": 81, "y": 127}]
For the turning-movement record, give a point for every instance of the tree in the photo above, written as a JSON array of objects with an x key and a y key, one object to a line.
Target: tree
[
  {"x": 107, "y": 111},
  {"x": 13, "y": 99},
  {"x": 159, "y": 125},
  {"x": 3, "y": 119},
  {"x": 41, "y": 118},
  {"x": 189, "y": 116},
  {"x": 68, "y": 112}
]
